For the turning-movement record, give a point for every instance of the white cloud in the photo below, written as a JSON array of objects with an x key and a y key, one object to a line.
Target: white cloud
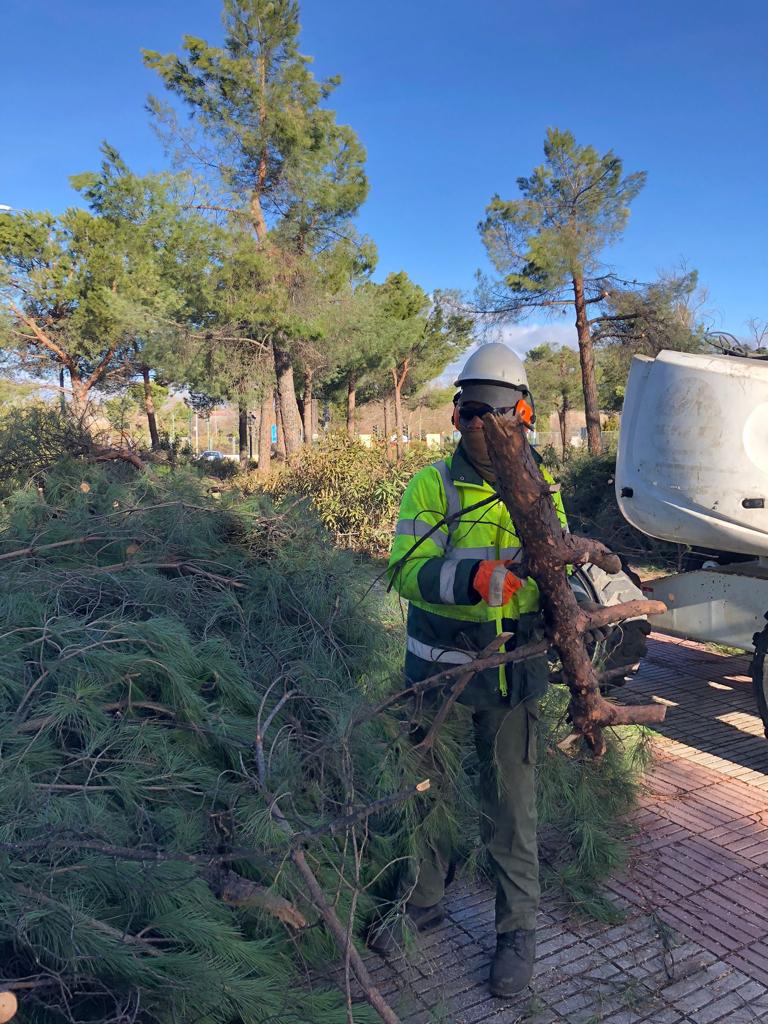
[{"x": 522, "y": 337}]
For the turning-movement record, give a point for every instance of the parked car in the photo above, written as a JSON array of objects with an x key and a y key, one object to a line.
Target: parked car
[{"x": 211, "y": 455}]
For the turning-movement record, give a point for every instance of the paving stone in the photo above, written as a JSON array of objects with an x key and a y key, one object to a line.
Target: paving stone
[{"x": 700, "y": 868}]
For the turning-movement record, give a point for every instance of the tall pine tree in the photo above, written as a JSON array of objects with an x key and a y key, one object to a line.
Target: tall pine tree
[
  {"x": 547, "y": 245},
  {"x": 272, "y": 155}
]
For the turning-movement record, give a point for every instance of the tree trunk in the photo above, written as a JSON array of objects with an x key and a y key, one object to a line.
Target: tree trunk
[
  {"x": 549, "y": 550},
  {"x": 280, "y": 443},
  {"x": 242, "y": 431},
  {"x": 265, "y": 436},
  {"x": 257, "y": 210},
  {"x": 315, "y": 416},
  {"x": 588, "y": 376},
  {"x": 62, "y": 396},
  {"x": 398, "y": 422},
  {"x": 306, "y": 411},
  {"x": 386, "y": 422},
  {"x": 289, "y": 410},
  {"x": 562, "y": 415},
  {"x": 399, "y": 377},
  {"x": 149, "y": 409},
  {"x": 351, "y": 396},
  {"x": 80, "y": 393}
]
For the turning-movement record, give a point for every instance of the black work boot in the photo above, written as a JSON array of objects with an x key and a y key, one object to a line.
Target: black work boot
[
  {"x": 512, "y": 965},
  {"x": 388, "y": 937}
]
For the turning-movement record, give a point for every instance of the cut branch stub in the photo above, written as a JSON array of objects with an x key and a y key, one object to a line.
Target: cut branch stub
[{"x": 549, "y": 549}]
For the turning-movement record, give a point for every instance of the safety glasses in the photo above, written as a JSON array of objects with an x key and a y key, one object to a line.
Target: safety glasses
[{"x": 470, "y": 410}]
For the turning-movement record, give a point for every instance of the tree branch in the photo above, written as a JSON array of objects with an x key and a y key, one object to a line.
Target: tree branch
[
  {"x": 527, "y": 496},
  {"x": 43, "y": 338}
]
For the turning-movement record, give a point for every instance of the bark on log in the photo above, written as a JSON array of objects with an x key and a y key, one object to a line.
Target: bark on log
[
  {"x": 116, "y": 455},
  {"x": 549, "y": 549}
]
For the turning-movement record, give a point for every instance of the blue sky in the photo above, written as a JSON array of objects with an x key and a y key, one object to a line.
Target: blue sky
[{"x": 451, "y": 99}]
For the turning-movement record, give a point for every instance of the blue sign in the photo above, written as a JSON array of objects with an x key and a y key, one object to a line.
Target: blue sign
[{"x": 274, "y": 433}]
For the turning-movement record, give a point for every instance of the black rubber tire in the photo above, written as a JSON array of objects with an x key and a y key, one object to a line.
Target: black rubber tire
[
  {"x": 608, "y": 589},
  {"x": 759, "y": 673}
]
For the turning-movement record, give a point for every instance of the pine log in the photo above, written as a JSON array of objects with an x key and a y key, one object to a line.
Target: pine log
[{"x": 549, "y": 549}]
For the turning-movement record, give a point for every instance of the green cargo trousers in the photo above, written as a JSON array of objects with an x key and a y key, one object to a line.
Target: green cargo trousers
[{"x": 506, "y": 747}]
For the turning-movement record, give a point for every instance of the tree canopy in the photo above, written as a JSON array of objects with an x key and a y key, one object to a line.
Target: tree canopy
[{"x": 547, "y": 245}]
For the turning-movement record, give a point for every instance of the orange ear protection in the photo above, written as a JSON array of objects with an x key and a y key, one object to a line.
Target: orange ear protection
[{"x": 525, "y": 412}]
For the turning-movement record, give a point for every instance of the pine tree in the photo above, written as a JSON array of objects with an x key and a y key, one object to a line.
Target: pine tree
[
  {"x": 274, "y": 157},
  {"x": 107, "y": 293},
  {"x": 420, "y": 336},
  {"x": 547, "y": 245}
]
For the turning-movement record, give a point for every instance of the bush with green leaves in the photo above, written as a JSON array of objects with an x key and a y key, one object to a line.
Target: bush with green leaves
[{"x": 354, "y": 490}]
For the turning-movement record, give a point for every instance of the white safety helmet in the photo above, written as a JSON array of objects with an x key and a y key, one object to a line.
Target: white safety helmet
[{"x": 493, "y": 375}]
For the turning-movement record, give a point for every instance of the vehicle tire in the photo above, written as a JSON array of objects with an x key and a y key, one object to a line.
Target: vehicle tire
[
  {"x": 607, "y": 588},
  {"x": 759, "y": 673},
  {"x": 610, "y": 589}
]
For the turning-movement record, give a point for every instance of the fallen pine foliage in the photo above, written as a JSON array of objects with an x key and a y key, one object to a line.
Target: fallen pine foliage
[
  {"x": 165, "y": 662},
  {"x": 188, "y": 747}
]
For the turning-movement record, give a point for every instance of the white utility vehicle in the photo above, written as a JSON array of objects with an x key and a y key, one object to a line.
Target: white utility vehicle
[{"x": 692, "y": 468}]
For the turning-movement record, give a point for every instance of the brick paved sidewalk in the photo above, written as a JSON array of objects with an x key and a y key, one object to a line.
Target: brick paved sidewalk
[{"x": 694, "y": 946}]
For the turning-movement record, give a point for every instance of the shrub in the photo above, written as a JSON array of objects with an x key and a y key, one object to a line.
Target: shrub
[{"x": 354, "y": 490}]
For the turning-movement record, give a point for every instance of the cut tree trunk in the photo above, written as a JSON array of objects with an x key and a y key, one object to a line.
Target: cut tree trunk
[
  {"x": 587, "y": 360},
  {"x": 265, "y": 435},
  {"x": 289, "y": 410},
  {"x": 351, "y": 394},
  {"x": 549, "y": 549},
  {"x": 149, "y": 409}
]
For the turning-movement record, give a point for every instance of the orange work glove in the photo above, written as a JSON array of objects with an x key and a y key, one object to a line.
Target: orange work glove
[{"x": 495, "y": 583}]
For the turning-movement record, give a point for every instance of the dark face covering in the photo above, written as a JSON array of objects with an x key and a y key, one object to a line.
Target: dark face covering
[
  {"x": 476, "y": 450},
  {"x": 477, "y": 399}
]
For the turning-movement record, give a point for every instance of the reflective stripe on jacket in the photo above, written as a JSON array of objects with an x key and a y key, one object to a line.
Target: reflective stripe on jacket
[{"x": 446, "y": 620}]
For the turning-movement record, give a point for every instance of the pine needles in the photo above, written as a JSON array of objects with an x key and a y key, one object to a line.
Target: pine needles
[
  {"x": 135, "y": 665},
  {"x": 584, "y": 806},
  {"x": 149, "y": 635}
]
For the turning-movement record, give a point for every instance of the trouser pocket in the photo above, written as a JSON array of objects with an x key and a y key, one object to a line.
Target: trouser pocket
[{"x": 531, "y": 732}]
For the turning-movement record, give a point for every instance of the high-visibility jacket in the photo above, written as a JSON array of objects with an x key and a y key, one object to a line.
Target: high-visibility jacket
[{"x": 447, "y": 623}]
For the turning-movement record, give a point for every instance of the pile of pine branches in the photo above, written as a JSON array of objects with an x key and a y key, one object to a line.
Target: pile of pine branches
[
  {"x": 181, "y": 684},
  {"x": 208, "y": 790}
]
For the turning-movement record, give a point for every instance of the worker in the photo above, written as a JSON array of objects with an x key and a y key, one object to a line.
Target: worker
[{"x": 466, "y": 582}]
